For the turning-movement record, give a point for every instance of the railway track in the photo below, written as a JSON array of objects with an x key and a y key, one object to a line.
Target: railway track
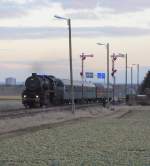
[{"x": 22, "y": 112}]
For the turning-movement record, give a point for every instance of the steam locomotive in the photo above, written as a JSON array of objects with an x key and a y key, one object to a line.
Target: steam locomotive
[{"x": 45, "y": 90}]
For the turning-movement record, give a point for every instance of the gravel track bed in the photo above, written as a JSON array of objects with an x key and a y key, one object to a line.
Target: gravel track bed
[
  {"x": 22, "y": 112},
  {"x": 17, "y": 113},
  {"x": 43, "y": 120}
]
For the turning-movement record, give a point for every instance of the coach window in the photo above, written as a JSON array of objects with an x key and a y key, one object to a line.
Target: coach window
[{"x": 66, "y": 88}]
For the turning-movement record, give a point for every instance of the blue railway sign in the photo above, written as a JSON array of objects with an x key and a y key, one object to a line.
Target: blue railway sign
[
  {"x": 89, "y": 75},
  {"x": 101, "y": 75}
]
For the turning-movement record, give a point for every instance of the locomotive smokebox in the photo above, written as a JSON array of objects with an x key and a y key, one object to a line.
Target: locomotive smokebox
[{"x": 33, "y": 83}]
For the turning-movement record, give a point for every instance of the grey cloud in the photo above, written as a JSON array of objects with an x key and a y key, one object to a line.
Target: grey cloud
[
  {"x": 13, "y": 33},
  {"x": 125, "y": 5},
  {"x": 30, "y": 32},
  {"x": 117, "y": 5},
  {"x": 5, "y": 50},
  {"x": 11, "y": 9},
  {"x": 82, "y": 15},
  {"x": 78, "y": 4}
]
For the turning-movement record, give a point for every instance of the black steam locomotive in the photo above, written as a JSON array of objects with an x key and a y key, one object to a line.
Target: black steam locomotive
[{"x": 45, "y": 90}]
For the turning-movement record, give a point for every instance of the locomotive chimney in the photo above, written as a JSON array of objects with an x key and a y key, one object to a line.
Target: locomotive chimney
[{"x": 34, "y": 74}]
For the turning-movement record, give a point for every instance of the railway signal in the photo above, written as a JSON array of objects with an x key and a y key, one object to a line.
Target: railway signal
[
  {"x": 113, "y": 72},
  {"x": 126, "y": 72},
  {"x": 138, "y": 74},
  {"x": 131, "y": 85},
  {"x": 83, "y": 58},
  {"x": 114, "y": 58}
]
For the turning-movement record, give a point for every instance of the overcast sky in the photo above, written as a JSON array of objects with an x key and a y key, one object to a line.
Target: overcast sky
[{"x": 32, "y": 40}]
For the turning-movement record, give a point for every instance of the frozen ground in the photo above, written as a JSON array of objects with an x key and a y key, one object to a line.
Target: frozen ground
[
  {"x": 58, "y": 117},
  {"x": 10, "y": 104},
  {"x": 93, "y": 136}
]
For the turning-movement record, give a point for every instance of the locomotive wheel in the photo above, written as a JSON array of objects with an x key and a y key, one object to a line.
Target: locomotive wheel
[
  {"x": 46, "y": 102},
  {"x": 41, "y": 104},
  {"x": 31, "y": 105},
  {"x": 57, "y": 101},
  {"x": 26, "y": 106}
]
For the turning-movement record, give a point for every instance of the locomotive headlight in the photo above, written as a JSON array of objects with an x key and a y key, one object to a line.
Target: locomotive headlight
[
  {"x": 37, "y": 96},
  {"x": 25, "y": 96}
]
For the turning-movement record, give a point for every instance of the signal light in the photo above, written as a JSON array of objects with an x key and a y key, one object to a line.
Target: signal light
[
  {"x": 81, "y": 74},
  {"x": 113, "y": 72}
]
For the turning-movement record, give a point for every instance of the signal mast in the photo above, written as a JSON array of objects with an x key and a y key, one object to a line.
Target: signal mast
[
  {"x": 83, "y": 58},
  {"x": 114, "y": 58}
]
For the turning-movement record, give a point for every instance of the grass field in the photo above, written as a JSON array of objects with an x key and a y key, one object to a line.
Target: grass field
[
  {"x": 91, "y": 142},
  {"x": 10, "y": 97},
  {"x": 10, "y": 104}
]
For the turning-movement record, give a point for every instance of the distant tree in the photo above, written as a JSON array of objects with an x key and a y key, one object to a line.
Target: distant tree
[{"x": 145, "y": 86}]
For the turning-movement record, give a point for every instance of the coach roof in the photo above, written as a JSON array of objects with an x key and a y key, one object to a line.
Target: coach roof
[{"x": 77, "y": 83}]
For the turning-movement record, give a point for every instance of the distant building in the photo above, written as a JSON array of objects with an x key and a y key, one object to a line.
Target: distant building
[{"x": 10, "y": 81}]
